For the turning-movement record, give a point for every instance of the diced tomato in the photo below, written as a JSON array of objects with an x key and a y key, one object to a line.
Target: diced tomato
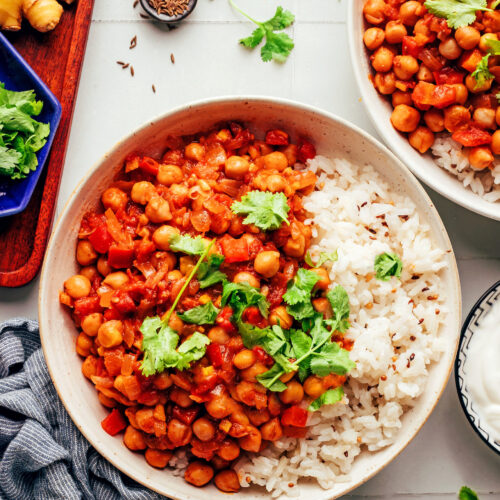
[
  {"x": 204, "y": 449},
  {"x": 130, "y": 386},
  {"x": 131, "y": 162},
  {"x": 101, "y": 239},
  {"x": 405, "y": 85},
  {"x": 113, "y": 362},
  {"x": 295, "y": 416},
  {"x": 243, "y": 138},
  {"x": 471, "y": 135},
  {"x": 120, "y": 257},
  {"x": 234, "y": 250},
  {"x": 444, "y": 96},
  {"x": 186, "y": 415},
  {"x": 122, "y": 301},
  {"x": 448, "y": 75},
  {"x": 263, "y": 356},
  {"x": 294, "y": 432},
  {"x": 410, "y": 46},
  {"x": 86, "y": 305},
  {"x": 224, "y": 319},
  {"x": 112, "y": 313},
  {"x": 149, "y": 165},
  {"x": 277, "y": 289},
  {"x": 252, "y": 315},
  {"x": 206, "y": 385},
  {"x": 305, "y": 151},
  {"x": 277, "y": 137},
  {"x": 215, "y": 353},
  {"x": 149, "y": 398},
  {"x": 144, "y": 249},
  {"x": 470, "y": 60},
  {"x": 427, "y": 94},
  {"x": 114, "y": 423}
]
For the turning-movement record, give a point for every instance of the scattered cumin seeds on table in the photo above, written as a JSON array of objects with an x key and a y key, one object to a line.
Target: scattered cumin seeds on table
[
  {"x": 121, "y": 63},
  {"x": 144, "y": 16},
  {"x": 132, "y": 72},
  {"x": 133, "y": 42},
  {"x": 135, "y": 4},
  {"x": 125, "y": 66},
  {"x": 172, "y": 58},
  {"x": 154, "y": 88}
]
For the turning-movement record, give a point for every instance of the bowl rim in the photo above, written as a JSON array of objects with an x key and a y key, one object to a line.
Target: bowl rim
[
  {"x": 458, "y": 360},
  {"x": 299, "y": 106},
  {"x": 482, "y": 207}
]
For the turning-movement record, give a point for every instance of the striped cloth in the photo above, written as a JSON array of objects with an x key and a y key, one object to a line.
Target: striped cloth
[{"x": 42, "y": 453}]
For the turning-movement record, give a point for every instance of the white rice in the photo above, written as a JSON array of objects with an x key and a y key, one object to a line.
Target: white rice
[
  {"x": 391, "y": 322},
  {"x": 450, "y": 155}
]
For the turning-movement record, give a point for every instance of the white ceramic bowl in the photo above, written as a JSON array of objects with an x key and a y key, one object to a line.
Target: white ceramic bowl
[
  {"x": 380, "y": 109},
  {"x": 333, "y": 137}
]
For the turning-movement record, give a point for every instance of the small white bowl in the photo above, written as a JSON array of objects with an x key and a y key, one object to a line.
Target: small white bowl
[
  {"x": 332, "y": 137},
  {"x": 379, "y": 111}
]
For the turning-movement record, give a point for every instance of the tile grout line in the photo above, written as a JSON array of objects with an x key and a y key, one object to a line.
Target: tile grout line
[{"x": 208, "y": 22}]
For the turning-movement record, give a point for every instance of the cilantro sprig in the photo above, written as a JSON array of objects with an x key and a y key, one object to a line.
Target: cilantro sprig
[
  {"x": 458, "y": 13},
  {"x": 200, "y": 315},
  {"x": 209, "y": 272},
  {"x": 329, "y": 397},
  {"x": 466, "y": 493},
  {"x": 277, "y": 45},
  {"x": 298, "y": 294},
  {"x": 323, "y": 258},
  {"x": 387, "y": 265},
  {"x": 482, "y": 72}
]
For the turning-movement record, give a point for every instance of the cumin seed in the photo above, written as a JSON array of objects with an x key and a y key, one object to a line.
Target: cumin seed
[
  {"x": 172, "y": 58},
  {"x": 144, "y": 16},
  {"x": 133, "y": 42},
  {"x": 132, "y": 72},
  {"x": 153, "y": 88},
  {"x": 125, "y": 66},
  {"x": 121, "y": 63},
  {"x": 135, "y": 4}
]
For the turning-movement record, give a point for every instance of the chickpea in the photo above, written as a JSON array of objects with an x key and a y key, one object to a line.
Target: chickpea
[
  {"x": 91, "y": 323},
  {"x": 424, "y": 74},
  {"x": 485, "y": 117},
  {"x": 198, "y": 474},
  {"x": 286, "y": 377},
  {"x": 422, "y": 27},
  {"x": 267, "y": 263},
  {"x": 399, "y": 97},
  {"x": 467, "y": 37},
  {"x": 186, "y": 265},
  {"x": 279, "y": 316},
  {"x": 473, "y": 86},
  {"x": 236, "y": 167},
  {"x": 409, "y": 12},
  {"x": 227, "y": 480},
  {"x": 272, "y": 430},
  {"x": 385, "y": 83},
  {"x": 497, "y": 116},
  {"x": 102, "y": 265},
  {"x": 373, "y": 38},
  {"x": 158, "y": 458},
  {"x": 480, "y": 157},
  {"x": 421, "y": 139},
  {"x": 116, "y": 280},
  {"x": 373, "y": 10},
  {"x": 250, "y": 374},
  {"x": 405, "y": 67},
  {"x": 324, "y": 279},
  {"x": 90, "y": 272},
  {"x": 313, "y": 386},
  {"x": 162, "y": 236},
  {"x": 219, "y": 406},
  {"x": 244, "y": 277},
  {"x": 134, "y": 439},
  {"x": 275, "y": 183},
  {"x": 244, "y": 359},
  {"x": 455, "y": 116},
  {"x": 180, "y": 397},
  {"x": 450, "y": 49},
  {"x": 252, "y": 441},
  {"x": 483, "y": 42},
  {"x": 228, "y": 450},
  {"x": 257, "y": 417},
  {"x": 105, "y": 401},
  {"x": 394, "y": 32},
  {"x": 290, "y": 151},
  {"x": 77, "y": 286},
  {"x": 322, "y": 305},
  {"x": 495, "y": 142},
  {"x": 169, "y": 174},
  {"x": 83, "y": 344},
  {"x": 162, "y": 381},
  {"x": 434, "y": 119},
  {"x": 382, "y": 59},
  {"x": 405, "y": 118},
  {"x": 114, "y": 198},
  {"x": 89, "y": 366},
  {"x": 158, "y": 210},
  {"x": 218, "y": 335},
  {"x": 110, "y": 333},
  {"x": 142, "y": 192},
  {"x": 195, "y": 151},
  {"x": 178, "y": 432},
  {"x": 176, "y": 323},
  {"x": 203, "y": 429},
  {"x": 174, "y": 275},
  {"x": 461, "y": 93},
  {"x": 85, "y": 253},
  {"x": 275, "y": 161},
  {"x": 293, "y": 394}
]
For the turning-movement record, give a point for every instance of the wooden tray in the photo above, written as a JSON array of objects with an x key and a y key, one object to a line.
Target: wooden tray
[{"x": 57, "y": 58}]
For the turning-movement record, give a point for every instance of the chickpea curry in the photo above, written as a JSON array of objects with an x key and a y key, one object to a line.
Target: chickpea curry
[
  {"x": 439, "y": 61},
  {"x": 205, "y": 322}
]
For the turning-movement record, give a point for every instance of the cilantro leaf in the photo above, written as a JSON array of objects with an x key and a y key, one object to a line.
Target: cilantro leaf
[
  {"x": 458, "y": 13},
  {"x": 9, "y": 160},
  {"x": 331, "y": 358},
  {"x": 242, "y": 295},
  {"x": 323, "y": 257},
  {"x": 329, "y": 397},
  {"x": 493, "y": 46},
  {"x": 187, "y": 244},
  {"x": 339, "y": 301},
  {"x": 192, "y": 349},
  {"x": 264, "y": 209},
  {"x": 270, "y": 379},
  {"x": 278, "y": 45},
  {"x": 201, "y": 315},
  {"x": 466, "y": 493},
  {"x": 387, "y": 265},
  {"x": 482, "y": 73},
  {"x": 208, "y": 272},
  {"x": 298, "y": 294}
]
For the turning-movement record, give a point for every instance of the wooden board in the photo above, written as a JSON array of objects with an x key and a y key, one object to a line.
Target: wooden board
[{"x": 57, "y": 58}]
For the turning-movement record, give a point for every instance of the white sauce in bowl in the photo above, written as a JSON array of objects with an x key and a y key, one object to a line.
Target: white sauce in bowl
[{"x": 483, "y": 370}]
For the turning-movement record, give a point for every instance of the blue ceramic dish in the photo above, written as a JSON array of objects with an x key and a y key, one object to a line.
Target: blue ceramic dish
[
  {"x": 480, "y": 309},
  {"x": 17, "y": 75}
]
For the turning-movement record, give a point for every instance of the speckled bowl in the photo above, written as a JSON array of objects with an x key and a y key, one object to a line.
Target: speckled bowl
[
  {"x": 471, "y": 324},
  {"x": 332, "y": 137}
]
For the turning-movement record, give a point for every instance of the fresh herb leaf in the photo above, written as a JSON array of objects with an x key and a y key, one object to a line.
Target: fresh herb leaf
[
  {"x": 482, "y": 72},
  {"x": 264, "y": 209},
  {"x": 331, "y": 358},
  {"x": 209, "y": 273},
  {"x": 271, "y": 379},
  {"x": 329, "y": 397},
  {"x": 9, "y": 160},
  {"x": 298, "y": 294},
  {"x": 339, "y": 301},
  {"x": 466, "y": 493},
  {"x": 187, "y": 244},
  {"x": 278, "y": 45},
  {"x": 323, "y": 257},
  {"x": 458, "y": 13},
  {"x": 201, "y": 315},
  {"x": 493, "y": 46},
  {"x": 242, "y": 295},
  {"x": 192, "y": 349},
  {"x": 387, "y": 265}
]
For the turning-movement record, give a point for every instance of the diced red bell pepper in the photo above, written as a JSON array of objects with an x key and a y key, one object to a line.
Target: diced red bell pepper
[
  {"x": 101, "y": 239},
  {"x": 252, "y": 315},
  {"x": 410, "y": 46},
  {"x": 120, "y": 257},
  {"x": 234, "y": 250},
  {"x": 444, "y": 96},
  {"x": 114, "y": 422},
  {"x": 186, "y": 415},
  {"x": 123, "y": 302},
  {"x": 148, "y": 165},
  {"x": 86, "y": 305},
  {"x": 295, "y": 416},
  {"x": 224, "y": 319},
  {"x": 427, "y": 94},
  {"x": 263, "y": 356},
  {"x": 215, "y": 353},
  {"x": 277, "y": 137},
  {"x": 448, "y": 75},
  {"x": 305, "y": 151},
  {"x": 471, "y": 135},
  {"x": 470, "y": 60}
]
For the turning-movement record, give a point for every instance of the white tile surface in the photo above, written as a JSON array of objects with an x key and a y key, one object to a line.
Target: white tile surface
[{"x": 209, "y": 62}]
